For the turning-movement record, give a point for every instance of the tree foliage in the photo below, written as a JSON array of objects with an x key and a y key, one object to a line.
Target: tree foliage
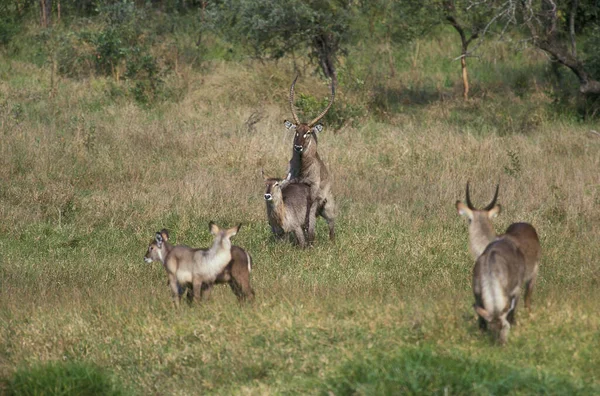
[{"x": 274, "y": 28}]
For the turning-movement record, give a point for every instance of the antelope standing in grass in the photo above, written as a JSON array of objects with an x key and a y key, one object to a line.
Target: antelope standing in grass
[
  {"x": 307, "y": 167},
  {"x": 523, "y": 235},
  {"x": 497, "y": 279},
  {"x": 189, "y": 266},
  {"x": 236, "y": 274},
  {"x": 288, "y": 205}
]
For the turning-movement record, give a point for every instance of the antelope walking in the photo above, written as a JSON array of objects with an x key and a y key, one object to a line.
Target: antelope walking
[
  {"x": 189, "y": 266},
  {"x": 523, "y": 235},
  {"x": 306, "y": 166},
  {"x": 288, "y": 205}
]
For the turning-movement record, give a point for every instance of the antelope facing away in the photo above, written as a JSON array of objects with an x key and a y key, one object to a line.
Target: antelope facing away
[
  {"x": 523, "y": 235},
  {"x": 288, "y": 205},
  {"x": 188, "y": 266},
  {"x": 306, "y": 166},
  {"x": 497, "y": 279},
  {"x": 236, "y": 274}
]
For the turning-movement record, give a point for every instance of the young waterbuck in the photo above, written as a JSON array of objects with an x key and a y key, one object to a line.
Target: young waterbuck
[
  {"x": 523, "y": 235},
  {"x": 497, "y": 279},
  {"x": 307, "y": 167},
  {"x": 288, "y": 205},
  {"x": 236, "y": 274},
  {"x": 188, "y": 266}
]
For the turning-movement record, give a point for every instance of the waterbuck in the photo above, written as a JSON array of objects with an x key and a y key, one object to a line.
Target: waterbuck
[
  {"x": 497, "y": 278},
  {"x": 236, "y": 274},
  {"x": 523, "y": 235},
  {"x": 188, "y": 266},
  {"x": 306, "y": 166},
  {"x": 288, "y": 205}
]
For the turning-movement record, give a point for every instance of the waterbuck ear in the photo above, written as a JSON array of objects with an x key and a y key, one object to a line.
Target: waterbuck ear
[
  {"x": 233, "y": 231},
  {"x": 165, "y": 234},
  {"x": 318, "y": 128},
  {"x": 159, "y": 240},
  {"x": 495, "y": 211},
  {"x": 463, "y": 210},
  {"x": 262, "y": 173},
  {"x": 213, "y": 228},
  {"x": 289, "y": 125},
  {"x": 483, "y": 313}
]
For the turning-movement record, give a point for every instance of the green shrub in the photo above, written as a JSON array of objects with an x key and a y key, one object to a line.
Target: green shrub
[{"x": 63, "y": 378}]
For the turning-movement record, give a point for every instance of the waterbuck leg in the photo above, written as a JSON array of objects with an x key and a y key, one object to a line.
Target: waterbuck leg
[
  {"x": 528, "y": 291},
  {"x": 205, "y": 291},
  {"x": 511, "y": 315},
  {"x": 327, "y": 212},
  {"x": 480, "y": 321},
  {"x": 175, "y": 290},
  {"x": 299, "y": 232},
  {"x": 197, "y": 286},
  {"x": 311, "y": 220}
]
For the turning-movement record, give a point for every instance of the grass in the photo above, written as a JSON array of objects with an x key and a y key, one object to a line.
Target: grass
[{"x": 86, "y": 179}]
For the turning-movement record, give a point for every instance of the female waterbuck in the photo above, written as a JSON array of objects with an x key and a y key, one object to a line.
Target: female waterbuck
[
  {"x": 306, "y": 166},
  {"x": 523, "y": 235},
  {"x": 236, "y": 274},
  {"x": 188, "y": 266},
  {"x": 288, "y": 205}
]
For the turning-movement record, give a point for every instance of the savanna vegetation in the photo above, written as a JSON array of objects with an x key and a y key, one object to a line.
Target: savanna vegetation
[{"x": 119, "y": 118}]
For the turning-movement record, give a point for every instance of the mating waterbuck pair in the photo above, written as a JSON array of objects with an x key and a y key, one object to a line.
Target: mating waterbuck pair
[
  {"x": 294, "y": 202},
  {"x": 503, "y": 264},
  {"x": 201, "y": 268}
]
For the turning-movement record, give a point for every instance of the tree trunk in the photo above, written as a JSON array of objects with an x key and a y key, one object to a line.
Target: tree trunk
[
  {"x": 325, "y": 50},
  {"x": 464, "y": 50},
  {"x": 46, "y": 13}
]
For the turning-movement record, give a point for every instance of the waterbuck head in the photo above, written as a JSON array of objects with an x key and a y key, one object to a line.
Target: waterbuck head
[
  {"x": 481, "y": 230},
  {"x": 306, "y": 132},
  {"x": 157, "y": 250},
  {"x": 498, "y": 324},
  {"x": 222, "y": 236},
  {"x": 273, "y": 187}
]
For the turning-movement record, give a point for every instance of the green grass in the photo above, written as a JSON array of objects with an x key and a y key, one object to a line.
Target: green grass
[
  {"x": 62, "y": 378},
  {"x": 86, "y": 178}
]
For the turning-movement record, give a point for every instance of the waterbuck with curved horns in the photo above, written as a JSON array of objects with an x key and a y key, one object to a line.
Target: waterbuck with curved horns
[
  {"x": 306, "y": 166},
  {"x": 519, "y": 251}
]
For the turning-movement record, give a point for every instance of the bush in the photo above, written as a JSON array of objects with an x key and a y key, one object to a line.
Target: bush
[{"x": 63, "y": 378}]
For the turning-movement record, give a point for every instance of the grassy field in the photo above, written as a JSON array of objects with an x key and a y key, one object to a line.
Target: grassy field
[{"x": 86, "y": 179}]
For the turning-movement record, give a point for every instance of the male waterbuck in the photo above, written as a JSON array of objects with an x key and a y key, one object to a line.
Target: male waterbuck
[
  {"x": 236, "y": 274},
  {"x": 306, "y": 166},
  {"x": 188, "y": 266},
  {"x": 288, "y": 205},
  {"x": 523, "y": 235}
]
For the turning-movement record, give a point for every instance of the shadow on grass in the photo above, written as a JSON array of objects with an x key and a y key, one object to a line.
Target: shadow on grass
[{"x": 424, "y": 371}]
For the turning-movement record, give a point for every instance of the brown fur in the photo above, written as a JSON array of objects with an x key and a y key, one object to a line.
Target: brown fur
[
  {"x": 288, "y": 205},
  {"x": 236, "y": 274},
  {"x": 523, "y": 235},
  {"x": 306, "y": 166},
  {"x": 497, "y": 279}
]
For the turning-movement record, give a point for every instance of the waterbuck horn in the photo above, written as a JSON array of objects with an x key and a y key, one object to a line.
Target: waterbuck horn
[
  {"x": 469, "y": 204},
  {"x": 318, "y": 118},
  {"x": 493, "y": 203},
  {"x": 296, "y": 120}
]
